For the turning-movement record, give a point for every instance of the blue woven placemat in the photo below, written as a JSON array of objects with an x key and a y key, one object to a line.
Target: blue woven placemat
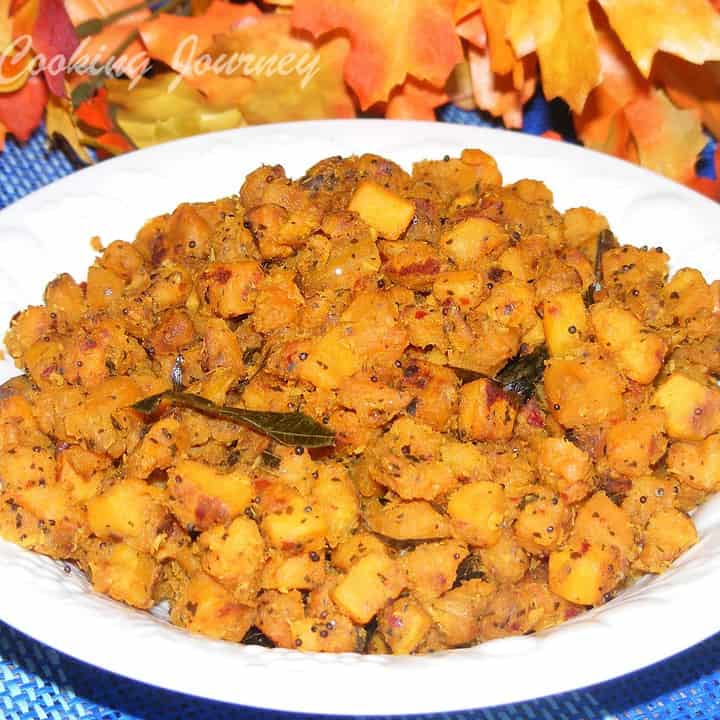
[{"x": 39, "y": 683}]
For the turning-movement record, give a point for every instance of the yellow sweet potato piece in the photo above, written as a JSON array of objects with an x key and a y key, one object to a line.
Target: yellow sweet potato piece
[
  {"x": 123, "y": 573},
  {"x": 206, "y": 607},
  {"x": 404, "y": 625},
  {"x": 382, "y": 209},
  {"x": 585, "y": 574},
  {"x": 584, "y": 392},
  {"x": 432, "y": 567},
  {"x": 367, "y": 586},
  {"x": 276, "y": 612},
  {"x": 355, "y": 547},
  {"x": 201, "y": 496},
  {"x": 471, "y": 240},
  {"x": 233, "y": 555},
  {"x": 332, "y": 634},
  {"x": 231, "y": 289},
  {"x": 414, "y": 520},
  {"x": 634, "y": 445},
  {"x": 543, "y": 522},
  {"x": 602, "y": 523},
  {"x": 130, "y": 510},
  {"x": 477, "y": 511},
  {"x": 285, "y": 571},
  {"x": 692, "y": 410},
  {"x": 565, "y": 322},
  {"x": 506, "y": 560},
  {"x": 335, "y": 499},
  {"x": 668, "y": 534},
  {"x": 565, "y": 467},
  {"x": 486, "y": 411},
  {"x": 104, "y": 288},
  {"x": 696, "y": 464},
  {"x": 638, "y": 352}
]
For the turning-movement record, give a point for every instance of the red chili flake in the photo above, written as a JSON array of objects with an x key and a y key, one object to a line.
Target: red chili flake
[{"x": 420, "y": 314}]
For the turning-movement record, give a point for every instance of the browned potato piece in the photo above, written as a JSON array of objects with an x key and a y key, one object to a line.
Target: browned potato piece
[
  {"x": 601, "y": 522},
  {"x": 486, "y": 411},
  {"x": 206, "y": 607},
  {"x": 477, "y": 512},
  {"x": 355, "y": 547},
  {"x": 470, "y": 241},
  {"x": 333, "y": 634},
  {"x": 404, "y": 625},
  {"x": 565, "y": 322},
  {"x": 696, "y": 464},
  {"x": 131, "y": 510},
  {"x": 276, "y": 612},
  {"x": 638, "y": 352},
  {"x": 647, "y": 495},
  {"x": 123, "y": 573},
  {"x": 233, "y": 555},
  {"x": 584, "y": 574},
  {"x": 231, "y": 289},
  {"x": 633, "y": 446},
  {"x": 415, "y": 520},
  {"x": 432, "y": 567},
  {"x": 584, "y": 392},
  {"x": 566, "y": 468},
  {"x": 506, "y": 560},
  {"x": 692, "y": 410},
  {"x": 200, "y": 496},
  {"x": 543, "y": 522},
  {"x": 668, "y": 534},
  {"x": 367, "y": 586},
  {"x": 382, "y": 209}
]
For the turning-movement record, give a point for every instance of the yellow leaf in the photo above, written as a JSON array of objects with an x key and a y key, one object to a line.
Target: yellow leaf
[
  {"x": 668, "y": 140},
  {"x": 532, "y": 23},
  {"x": 569, "y": 62},
  {"x": 165, "y": 108},
  {"x": 291, "y": 77},
  {"x": 60, "y": 124},
  {"x": 415, "y": 100},
  {"x": 499, "y": 94},
  {"x": 687, "y": 28},
  {"x": 496, "y": 14}
]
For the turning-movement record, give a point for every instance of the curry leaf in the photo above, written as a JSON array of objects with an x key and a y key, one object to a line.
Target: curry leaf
[
  {"x": 523, "y": 373},
  {"x": 287, "y": 428},
  {"x": 605, "y": 241}
]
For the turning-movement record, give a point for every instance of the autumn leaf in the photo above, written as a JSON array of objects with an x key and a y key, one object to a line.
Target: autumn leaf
[
  {"x": 495, "y": 14},
  {"x": 54, "y": 37},
  {"x": 569, "y": 62},
  {"x": 472, "y": 29},
  {"x": 95, "y": 120},
  {"x": 179, "y": 41},
  {"x": 502, "y": 95},
  {"x": 103, "y": 45},
  {"x": 533, "y": 23},
  {"x": 164, "y": 108},
  {"x": 292, "y": 78},
  {"x": 668, "y": 139},
  {"x": 689, "y": 29},
  {"x": 691, "y": 86},
  {"x": 414, "y": 100},
  {"x": 388, "y": 41},
  {"x": 61, "y": 128},
  {"x": 21, "y": 111}
]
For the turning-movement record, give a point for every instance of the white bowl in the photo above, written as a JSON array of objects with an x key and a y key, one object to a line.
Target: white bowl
[{"x": 49, "y": 232}]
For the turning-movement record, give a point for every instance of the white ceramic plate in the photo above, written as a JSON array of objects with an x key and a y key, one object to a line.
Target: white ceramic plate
[{"x": 49, "y": 232}]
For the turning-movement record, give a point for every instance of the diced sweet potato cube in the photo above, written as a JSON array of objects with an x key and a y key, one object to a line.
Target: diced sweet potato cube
[
  {"x": 668, "y": 534},
  {"x": 472, "y": 239},
  {"x": 432, "y": 567},
  {"x": 124, "y": 573},
  {"x": 355, "y": 547},
  {"x": 692, "y": 410},
  {"x": 565, "y": 322},
  {"x": 294, "y": 526},
  {"x": 231, "y": 289},
  {"x": 477, "y": 511},
  {"x": 584, "y": 574},
  {"x": 334, "y": 634},
  {"x": 382, "y": 209},
  {"x": 404, "y": 625},
  {"x": 486, "y": 411},
  {"x": 696, "y": 464},
  {"x": 565, "y": 467},
  {"x": 367, "y": 586},
  {"x": 415, "y": 520}
]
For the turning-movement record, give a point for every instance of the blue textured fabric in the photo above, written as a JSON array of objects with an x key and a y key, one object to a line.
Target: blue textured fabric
[{"x": 39, "y": 683}]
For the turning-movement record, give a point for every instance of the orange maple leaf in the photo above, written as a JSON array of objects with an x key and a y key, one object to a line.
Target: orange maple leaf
[
  {"x": 472, "y": 29},
  {"x": 180, "y": 41},
  {"x": 415, "y": 100},
  {"x": 691, "y": 86},
  {"x": 502, "y": 95},
  {"x": 689, "y": 29},
  {"x": 95, "y": 116},
  {"x": 21, "y": 112},
  {"x": 668, "y": 139},
  {"x": 389, "y": 41},
  {"x": 290, "y": 76},
  {"x": 102, "y": 46}
]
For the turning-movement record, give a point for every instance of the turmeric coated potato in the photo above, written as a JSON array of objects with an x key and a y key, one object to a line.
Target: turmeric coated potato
[{"x": 365, "y": 410}]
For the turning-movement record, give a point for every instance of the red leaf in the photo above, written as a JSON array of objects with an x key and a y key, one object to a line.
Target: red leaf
[
  {"x": 54, "y": 37},
  {"x": 95, "y": 113},
  {"x": 21, "y": 111}
]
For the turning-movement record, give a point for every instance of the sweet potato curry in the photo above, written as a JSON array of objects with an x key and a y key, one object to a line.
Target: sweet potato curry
[{"x": 366, "y": 410}]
